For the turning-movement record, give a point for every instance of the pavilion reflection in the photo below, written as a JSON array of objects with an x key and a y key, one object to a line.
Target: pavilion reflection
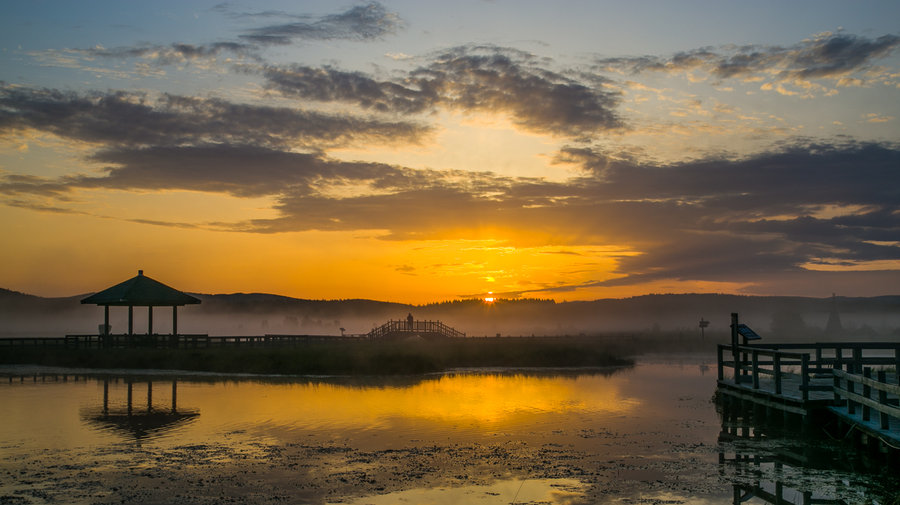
[{"x": 142, "y": 421}]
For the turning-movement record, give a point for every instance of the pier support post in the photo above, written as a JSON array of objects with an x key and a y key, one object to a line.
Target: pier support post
[
  {"x": 734, "y": 348},
  {"x": 882, "y": 399},
  {"x": 867, "y": 392}
]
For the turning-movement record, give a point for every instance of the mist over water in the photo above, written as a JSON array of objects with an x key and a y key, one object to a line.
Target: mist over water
[{"x": 788, "y": 318}]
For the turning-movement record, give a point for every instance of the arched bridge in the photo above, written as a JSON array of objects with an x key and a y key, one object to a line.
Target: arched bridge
[{"x": 408, "y": 328}]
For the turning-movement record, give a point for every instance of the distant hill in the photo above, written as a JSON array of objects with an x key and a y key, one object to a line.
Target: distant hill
[{"x": 259, "y": 313}]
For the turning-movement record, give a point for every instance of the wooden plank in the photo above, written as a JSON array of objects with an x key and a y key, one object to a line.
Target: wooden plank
[
  {"x": 789, "y": 404},
  {"x": 881, "y": 386},
  {"x": 887, "y": 409}
]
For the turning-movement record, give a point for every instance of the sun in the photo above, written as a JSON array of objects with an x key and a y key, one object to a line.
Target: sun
[{"x": 489, "y": 298}]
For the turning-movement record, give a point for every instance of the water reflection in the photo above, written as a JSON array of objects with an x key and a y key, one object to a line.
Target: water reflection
[
  {"x": 476, "y": 402},
  {"x": 770, "y": 461},
  {"x": 140, "y": 423},
  {"x": 543, "y": 491},
  {"x": 647, "y": 434}
]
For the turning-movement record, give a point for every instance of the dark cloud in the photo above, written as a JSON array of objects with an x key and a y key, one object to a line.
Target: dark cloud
[
  {"x": 492, "y": 79},
  {"x": 363, "y": 22},
  {"x": 327, "y": 84},
  {"x": 173, "y": 53},
  {"x": 120, "y": 118},
  {"x": 245, "y": 171},
  {"x": 477, "y": 79},
  {"x": 827, "y": 56}
]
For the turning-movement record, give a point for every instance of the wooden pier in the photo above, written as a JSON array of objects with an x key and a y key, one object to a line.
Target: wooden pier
[
  {"x": 182, "y": 341},
  {"x": 853, "y": 385}
]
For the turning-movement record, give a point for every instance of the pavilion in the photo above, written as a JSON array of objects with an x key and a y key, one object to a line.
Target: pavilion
[{"x": 140, "y": 291}]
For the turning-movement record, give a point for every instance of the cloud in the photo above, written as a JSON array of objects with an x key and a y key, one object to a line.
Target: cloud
[
  {"x": 120, "y": 118},
  {"x": 170, "y": 54},
  {"x": 326, "y": 84},
  {"x": 714, "y": 219},
  {"x": 244, "y": 171},
  {"x": 831, "y": 56},
  {"x": 470, "y": 79},
  {"x": 361, "y": 23}
]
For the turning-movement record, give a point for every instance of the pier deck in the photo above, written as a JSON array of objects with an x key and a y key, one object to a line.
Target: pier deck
[{"x": 853, "y": 383}]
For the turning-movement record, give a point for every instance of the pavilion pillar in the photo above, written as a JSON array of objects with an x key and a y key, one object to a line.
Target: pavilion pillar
[
  {"x": 150, "y": 320},
  {"x": 106, "y": 320},
  {"x": 174, "y": 320},
  {"x": 130, "y": 320}
]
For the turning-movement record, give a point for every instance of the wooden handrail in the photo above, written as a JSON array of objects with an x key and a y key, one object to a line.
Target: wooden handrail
[{"x": 881, "y": 405}]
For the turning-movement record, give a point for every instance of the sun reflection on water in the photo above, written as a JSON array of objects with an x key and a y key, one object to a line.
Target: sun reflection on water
[{"x": 483, "y": 400}]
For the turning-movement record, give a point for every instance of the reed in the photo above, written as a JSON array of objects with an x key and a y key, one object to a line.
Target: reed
[{"x": 339, "y": 358}]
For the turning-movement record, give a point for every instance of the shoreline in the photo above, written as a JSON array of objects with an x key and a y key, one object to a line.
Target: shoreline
[{"x": 337, "y": 358}]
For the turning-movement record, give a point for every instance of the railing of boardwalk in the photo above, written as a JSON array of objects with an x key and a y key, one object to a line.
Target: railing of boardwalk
[
  {"x": 404, "y": 326},
  {"x": 870, "y": 394}
]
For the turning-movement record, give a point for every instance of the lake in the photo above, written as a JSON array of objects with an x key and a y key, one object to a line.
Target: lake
[{"x": 643, "y": 434}]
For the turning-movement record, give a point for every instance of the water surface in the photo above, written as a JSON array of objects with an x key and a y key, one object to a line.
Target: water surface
[{"x": 643, "y": 434}]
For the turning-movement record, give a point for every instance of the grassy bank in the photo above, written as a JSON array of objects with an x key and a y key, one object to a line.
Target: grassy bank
[{"x": 367, "y": 358}]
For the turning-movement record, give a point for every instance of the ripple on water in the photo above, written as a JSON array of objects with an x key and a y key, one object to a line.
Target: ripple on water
[{"x": 550, "y": 491}]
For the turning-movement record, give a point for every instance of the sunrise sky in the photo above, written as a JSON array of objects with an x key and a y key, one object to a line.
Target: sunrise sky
[{"x": 423, "y": 151}]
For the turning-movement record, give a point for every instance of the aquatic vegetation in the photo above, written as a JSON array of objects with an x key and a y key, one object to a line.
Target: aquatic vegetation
[{"x": 340, "y": 357}]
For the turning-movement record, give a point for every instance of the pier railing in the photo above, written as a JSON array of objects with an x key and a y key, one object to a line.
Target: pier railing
[
  {"x": 812, "y": 365},
  {"x": 160, "y": 340},
  {"x": 870, "y": 394},
  {"x": 836, "y": 375}
]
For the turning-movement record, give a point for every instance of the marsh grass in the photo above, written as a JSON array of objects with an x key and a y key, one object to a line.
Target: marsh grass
[{"x": 341, "y": 357}]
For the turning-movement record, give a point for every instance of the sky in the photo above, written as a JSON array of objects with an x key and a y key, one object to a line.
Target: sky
[{"x": 419, "y": 152}]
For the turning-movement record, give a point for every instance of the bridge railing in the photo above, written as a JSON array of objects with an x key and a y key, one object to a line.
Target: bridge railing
[{"x": 405, "y": 326}]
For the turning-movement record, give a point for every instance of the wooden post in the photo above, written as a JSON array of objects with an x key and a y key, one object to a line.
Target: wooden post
[
  {"x": 130, "y": 320},
  {"x": 851, "y": 405},
  {"x": 867, "y": 392},
  {"x": 897, "y": 364},
  {"x": 106, "y": 320},
  {"x": 776, "y": 364},
  {"x": 734, "y": 347},
  {"x": 174, "y": 320},
  {"x": 857, "y": 359},
  {"x": 882, "y": 399},
  {"x": 835, "y": 387},
  {"x": 719, "y": 358},
  {"x": 150, "y": 320},
  {"x": 804, "y": 376},
  {"x": 755, "y": 369}
]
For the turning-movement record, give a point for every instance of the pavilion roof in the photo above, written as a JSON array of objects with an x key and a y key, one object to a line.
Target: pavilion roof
[{"x": 141, "y": 291}]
